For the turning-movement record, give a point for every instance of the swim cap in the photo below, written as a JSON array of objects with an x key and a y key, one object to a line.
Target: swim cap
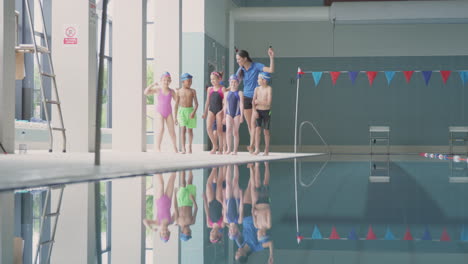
[
  {"x": 165, "y": 74},
  {"x": 265, "y": 76},
  {"x": 163, "y": 239},
  {"x": 185, "y": 237},
  {"x": 217, "y": 74},
  {"x": 234, "y": 77},
  {"x": 186, "y": 76}
]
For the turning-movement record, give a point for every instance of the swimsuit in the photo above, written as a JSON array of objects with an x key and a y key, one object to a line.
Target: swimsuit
[
  {"x": 263, "y": 194},
  {"x": 163, "y": 205},
  {"x": 183, "y": 195},
  {"x": 263, "y": 119},
  {"x": 215, "y": 126},
  {"x": 215, "y": 212},
  {"x": 216, "y": 100},
  {"x": 232, "y": 213},
  {"x": 233, "y": 104},
  {"x": 164, "y": 104},
  {"x": 183, "y": 115}
]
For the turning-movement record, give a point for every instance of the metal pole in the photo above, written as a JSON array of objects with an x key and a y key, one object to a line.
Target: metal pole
[
  {"x": 97, "y": 145},
  {"x": 295, "y": 124},
  {"x": 295, "y": 198}
]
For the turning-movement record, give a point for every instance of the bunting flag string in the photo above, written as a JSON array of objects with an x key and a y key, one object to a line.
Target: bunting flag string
[
  {"x": 445, "y": 236},
  {"x": 427, "y": 234},
  {"x": 334, "y": 234},
  {"x": 389, "y": 235},
  {"x": 353, "y": 235},
  {"x": 316, "y": 233},
  {"x": 408, "y": 235},
  {"x": 370, "y": 234},
  {"x": 389, "y": 75}
]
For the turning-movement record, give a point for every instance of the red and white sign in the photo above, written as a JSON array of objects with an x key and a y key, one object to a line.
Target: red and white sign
[{"x": 70, "y": 35}]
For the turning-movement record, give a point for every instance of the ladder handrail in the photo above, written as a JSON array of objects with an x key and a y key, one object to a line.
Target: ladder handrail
[
  {"x": 316, "y": 131},
  {"x": 316, "y": 175}
]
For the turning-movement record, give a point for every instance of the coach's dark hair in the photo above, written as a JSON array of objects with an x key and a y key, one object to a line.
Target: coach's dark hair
[{"x": 243, "y": 54}]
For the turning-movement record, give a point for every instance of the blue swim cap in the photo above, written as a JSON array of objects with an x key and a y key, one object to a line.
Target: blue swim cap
[
  {"x": 234, "y": 77},
  {"x": 184, "y": 237},
  {"x": 265, "y": 76},
  {"x": 264, "y": 239},
  {"x": 186, "y": 76}
]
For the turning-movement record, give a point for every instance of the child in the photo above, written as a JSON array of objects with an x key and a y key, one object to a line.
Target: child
[
  {"x": 184, "y": 203},
  {"x": 213, "y": 201},
  {"x": 233, "y": 212},
  {"x": 187, "y": 119},
  {"x": 163, "y": 208},
  {"x": 214, "y": 103},
  {"x": 262, "y": 111},
  {"x": 234, "y": 113},
  {"x": 261, "y": 210},
  {"x": 163, "y": 97}
]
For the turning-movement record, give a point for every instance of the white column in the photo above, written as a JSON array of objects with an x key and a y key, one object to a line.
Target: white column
[
  {"x": 75, "y": 240},
  {"x": 7, "y": 74},
  {"x": 128, "y": 210},
  {"x": 75, "y": 67},
  {"x": 7, "y": 214},
  {"x": 129, "y": 76}
]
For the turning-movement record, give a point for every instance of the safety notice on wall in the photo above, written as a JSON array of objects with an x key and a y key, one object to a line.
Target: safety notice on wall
[{"x": 70, "y": 35}]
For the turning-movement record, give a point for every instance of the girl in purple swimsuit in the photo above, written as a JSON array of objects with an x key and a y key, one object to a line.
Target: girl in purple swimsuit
[
  {"x": 163, "y": 208},
  {"x": 213, "y": 110},
  {"x": 163, "y": 96}
]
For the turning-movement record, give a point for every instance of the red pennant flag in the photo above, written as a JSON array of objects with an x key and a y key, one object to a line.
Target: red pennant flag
[
  {"x": 408, "y": 235},
  {"x": 445, "y": 236},
  {"x": 370, "y": 234},
  {"x": 334, "y": 76},
  {"x": 334, "y": 234},
  {"x": 445, "y": 75},
  {"x": 408, "y": 75},
  {"x": 371, "y": 76}
]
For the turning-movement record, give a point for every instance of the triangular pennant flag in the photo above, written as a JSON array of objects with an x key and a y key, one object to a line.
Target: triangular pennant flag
[
  {"x": 371, "y": 76},
  {"x": 334, "y": 76},
  {"x": 334, "y": 234},
  {"x": 427, "y": 76},
  {"x": 352, "y": 76},
  {"x": 370, "y": 234},
  {"x": 389, "y": 235},
  {"x": 408, "y": 235},
  {"x": 463, "y": 76},
  {"x": 299, "y": 73},
  {"x": 445, "y": 236},
  {"x": 427, "y": 234},
  {"x": 316, "y": 233},
  {"x": 353, "y": 235},
  {"x": 317, "y": 76},
  {"x": 464, "y": 234},
  {"x": 445, "y": 75},
  {"x": 408, "y": 75},
  {"x": 389, "y": 75}
]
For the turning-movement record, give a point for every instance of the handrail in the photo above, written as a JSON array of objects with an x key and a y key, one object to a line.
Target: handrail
[
  {"x": 316, "y": 175},
  {"x": 316, "y": 131}
]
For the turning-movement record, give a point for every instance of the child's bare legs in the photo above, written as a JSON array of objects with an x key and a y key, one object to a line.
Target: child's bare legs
[
  {"x": 214, "y": 139},
  {"x": 229, "y": 130},
  {"x": 258, "y": 130},
  {"x": 266, "y": 133},
  {"x": 159, "y": 186},
  {"x": 190, "y": 177},
  {"x": 210, "y": 195},
  {"x": 219, "y": 130},
  {"x": 266, "y": 181},
  {"x": 183, "y": 132},
  {"x": 170, "y": 185},
  {"x": 182, "y": 179},
  {"x": 170, "y": 127},
  {"x": 253, "y": 137},
  {"x": 235, "y": 183},
  {"x": 255, "y": 182},
  {"x": 219, "y": 184},
  {"x": 248, "y": 119},
  {"x": 159, "y": 130},
  {"x": 229, "y": 185},
  {"x": 190, "y": 138},
  {"x": 237, "y": 121}
]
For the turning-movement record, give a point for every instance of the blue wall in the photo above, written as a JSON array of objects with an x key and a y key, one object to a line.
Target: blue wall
[{"x": 418, "y": 115}]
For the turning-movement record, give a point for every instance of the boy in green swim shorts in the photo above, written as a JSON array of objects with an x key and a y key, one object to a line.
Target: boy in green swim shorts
[
  {"x": 186, "y": 97},
  {"x": 184, "y": 203}
]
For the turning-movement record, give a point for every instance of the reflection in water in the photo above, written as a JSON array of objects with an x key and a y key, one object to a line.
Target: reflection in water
[
  {"x": 186, "y": 206},
  {"x": 213, "y": 203}
]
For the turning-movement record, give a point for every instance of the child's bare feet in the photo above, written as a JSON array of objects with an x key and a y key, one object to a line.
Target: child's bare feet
[
  {"x": 227, "y": 152},
  {"x": 158, "y": 149},
  {"x": 250, "y": 165},
  {"x": 175, "y": 150},
  {"x": 265, "y": 153},
  {"x": 183, "y": 151},
  {"x": 256, "y": 152},
  {"x": 250, "y": 149},
  {"x": 234, "y": 153},
  {"x": 213, "y": 150},
  {"x": 190, "y": 150}
]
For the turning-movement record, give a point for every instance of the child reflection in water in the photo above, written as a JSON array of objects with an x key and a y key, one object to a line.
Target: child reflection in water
[
  {"x": 256, "y": 214},
  {"x": 213, "y": 201},
  {"x": 163, "y": 207},
  {"x": 233, "y": 211},
  {"x": 184, "y": 204}
]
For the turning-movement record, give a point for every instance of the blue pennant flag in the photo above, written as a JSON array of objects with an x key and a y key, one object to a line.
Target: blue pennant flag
[
  {"x": 352, "y": 235},
  {"x": 427, "y": 234},
  {"x": 389, "y": 235},
  {"x": 427, "y": 76},
  {"x": 389, "y": 75},
  {"x": 463, "y": 76},
  {"x": 352, "y": 76},
  {"x": 464, "y": 234},
  {"x": 317, "y": 76},
  {"x": 316, "y": 234}
]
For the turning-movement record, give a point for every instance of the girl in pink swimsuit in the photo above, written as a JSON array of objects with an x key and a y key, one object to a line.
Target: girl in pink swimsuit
[
  {"x": 163, "y": 207},
  {"x": 163, "y": 98},
  {"x": 213, "y": 111}
]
